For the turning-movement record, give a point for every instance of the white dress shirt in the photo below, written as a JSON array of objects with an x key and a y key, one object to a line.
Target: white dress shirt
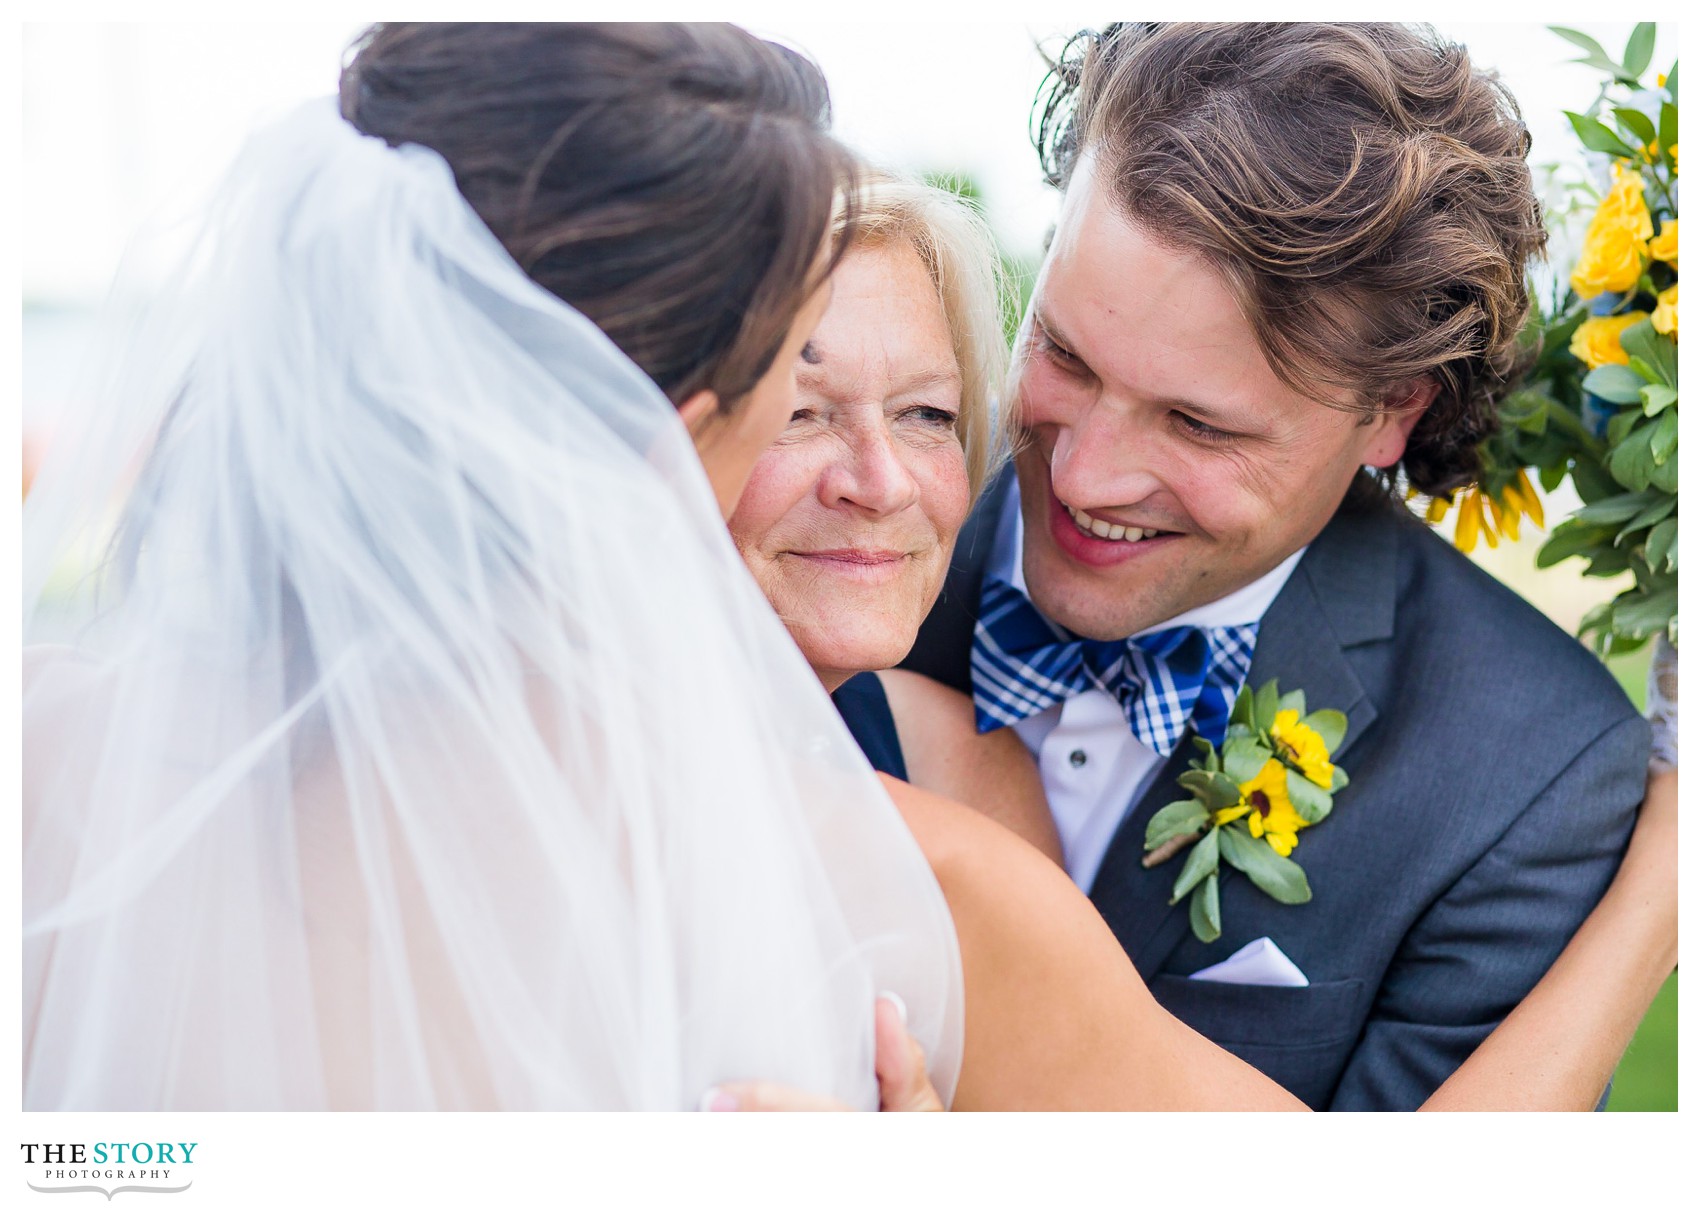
[{"x": 1093, "y": 767}]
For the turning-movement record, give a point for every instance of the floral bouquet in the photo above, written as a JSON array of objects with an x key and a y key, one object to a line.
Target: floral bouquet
[{"x": 1601, "y": 402}]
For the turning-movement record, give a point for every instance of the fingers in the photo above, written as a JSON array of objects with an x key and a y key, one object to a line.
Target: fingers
[
  {"x": 899, "y": 1062},
  {"x": 765, "y": 1097}
]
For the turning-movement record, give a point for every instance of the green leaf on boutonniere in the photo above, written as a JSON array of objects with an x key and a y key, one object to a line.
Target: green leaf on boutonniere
[
  {"x": 1201, "y": 861},
  {"x": 1330, "y": 725},
  {"x": 1240, "y": 717},
  {"x": 1281, "y": 878},
  {"x": 1205, "y": 912},
  {"x": 1250, "y": 800},
  {"x": 1265, "y": 703},
  {"x": 1243, "y": 758},
  {"x": 1309, "y": 801},
  {"x": 1175, "y": 820},
  {"x": 1215, "y": 789}
]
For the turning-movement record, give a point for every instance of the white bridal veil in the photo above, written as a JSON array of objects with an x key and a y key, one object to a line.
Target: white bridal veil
[{"x": 417, "y": 739}]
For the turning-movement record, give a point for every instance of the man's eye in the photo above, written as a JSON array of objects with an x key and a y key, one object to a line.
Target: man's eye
[
  {"x": 1201, "y": 430},
  {"x": 1058, "y": 353},
  {"x": 801, "y": 415}
]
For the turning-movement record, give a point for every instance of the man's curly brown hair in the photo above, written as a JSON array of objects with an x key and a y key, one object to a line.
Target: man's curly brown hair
[{"x": 1363, "y": 189}]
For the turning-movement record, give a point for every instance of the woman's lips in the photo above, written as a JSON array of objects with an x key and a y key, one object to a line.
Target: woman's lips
[
  {"x": 854, "y": 555},
  {"x": 855, "y": 564}
]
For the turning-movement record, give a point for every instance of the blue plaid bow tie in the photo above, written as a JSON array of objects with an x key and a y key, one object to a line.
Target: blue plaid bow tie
[{"x": 1023, "y": 663}]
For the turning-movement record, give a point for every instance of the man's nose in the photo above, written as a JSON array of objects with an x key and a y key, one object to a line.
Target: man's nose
[
  {"x": 869, "y": 474},
  {"x": 1103, "y": 456}
]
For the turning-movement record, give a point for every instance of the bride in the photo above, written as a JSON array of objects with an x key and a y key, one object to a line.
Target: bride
[{"x": 424, "y": 743}]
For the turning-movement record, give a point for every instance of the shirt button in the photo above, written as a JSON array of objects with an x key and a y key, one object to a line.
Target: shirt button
[{"x": 1077, "y": 759}]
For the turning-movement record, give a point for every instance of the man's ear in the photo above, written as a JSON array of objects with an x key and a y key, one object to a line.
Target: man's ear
[
  {"x": 1398, "y": 417},
  {"x": 699, "y": 411}
]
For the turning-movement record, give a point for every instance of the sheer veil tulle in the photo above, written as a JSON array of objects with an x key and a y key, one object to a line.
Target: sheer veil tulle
[{"x": 421, "y": 741}]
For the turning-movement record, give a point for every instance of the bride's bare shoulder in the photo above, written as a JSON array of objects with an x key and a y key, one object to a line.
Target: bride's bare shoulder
[
  {"x": 986, "y": 870},
  {"x": 956, "y": 838}
]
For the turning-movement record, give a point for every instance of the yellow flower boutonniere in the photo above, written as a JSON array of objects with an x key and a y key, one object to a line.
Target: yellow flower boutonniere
[{"x": 1275, "y": 776}]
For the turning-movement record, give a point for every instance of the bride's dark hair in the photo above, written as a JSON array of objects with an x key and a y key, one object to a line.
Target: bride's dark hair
[{"x": 670, "y": 181}]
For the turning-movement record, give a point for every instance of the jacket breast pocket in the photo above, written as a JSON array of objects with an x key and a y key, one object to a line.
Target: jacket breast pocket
[{"x": 1300, "y": 1036}]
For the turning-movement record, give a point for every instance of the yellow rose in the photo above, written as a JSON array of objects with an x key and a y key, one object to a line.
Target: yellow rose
[
  {"x": 1664, "y": 316},
  {"x": 1612, "y": 259},
  {"x": 1599, "y": 339},
  {"x": 1626, "y": 202},
  {"x": 1664, "y": 247},
  {"x": 1614, "y": 250}
]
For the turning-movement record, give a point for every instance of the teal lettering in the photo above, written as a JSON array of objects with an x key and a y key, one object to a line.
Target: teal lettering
[
  {"x": 188, "y": 1149},
  {"x": 136, "y": 1152},
  {"x": 100, "y": 1151},
  {"x": 165, "y": 1154}
]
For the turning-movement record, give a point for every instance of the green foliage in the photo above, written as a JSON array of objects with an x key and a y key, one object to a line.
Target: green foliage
[
  {"x": 1646, "y": 1077},
  {"x": 1626, "y": 470}
]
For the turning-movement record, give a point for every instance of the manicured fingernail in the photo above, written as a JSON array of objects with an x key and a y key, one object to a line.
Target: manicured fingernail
[
  {"x": 716, "y": 1100},
  {"x": 896, "y": 1001}
]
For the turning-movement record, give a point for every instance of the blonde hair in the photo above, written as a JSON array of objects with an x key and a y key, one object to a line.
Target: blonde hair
[{"x": 962, "y": 257}]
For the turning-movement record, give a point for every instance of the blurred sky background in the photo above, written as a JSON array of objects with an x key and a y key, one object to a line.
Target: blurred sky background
[{"x": 119, "y": 118}]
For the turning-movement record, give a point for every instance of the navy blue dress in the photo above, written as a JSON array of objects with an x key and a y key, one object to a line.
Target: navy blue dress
[{"x": 862, "y": 703}]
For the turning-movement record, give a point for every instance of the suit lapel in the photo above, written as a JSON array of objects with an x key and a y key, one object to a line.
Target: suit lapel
[
  {"x": 1341, "y": 596},
  {"x": 945, "y": 642}
]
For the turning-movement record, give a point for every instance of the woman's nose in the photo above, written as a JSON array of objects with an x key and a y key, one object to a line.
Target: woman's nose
[{"x": 869, "y": 474}]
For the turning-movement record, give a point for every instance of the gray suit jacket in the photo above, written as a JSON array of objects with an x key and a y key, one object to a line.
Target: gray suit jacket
[{"x": 1496, "y": 768}]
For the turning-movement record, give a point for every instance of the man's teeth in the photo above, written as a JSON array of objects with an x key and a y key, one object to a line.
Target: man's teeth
[{"x": 1108, "y": 530}]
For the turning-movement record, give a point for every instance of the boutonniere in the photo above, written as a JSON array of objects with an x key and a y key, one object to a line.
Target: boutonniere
[{"x": 1273, "y": 777}]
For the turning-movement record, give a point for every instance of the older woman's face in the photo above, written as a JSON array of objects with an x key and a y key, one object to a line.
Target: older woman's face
[{"x": 849, "y": 518}]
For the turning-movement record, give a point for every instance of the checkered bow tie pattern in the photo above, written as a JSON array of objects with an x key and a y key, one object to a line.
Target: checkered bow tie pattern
[{"x": 1023, "y": 663}]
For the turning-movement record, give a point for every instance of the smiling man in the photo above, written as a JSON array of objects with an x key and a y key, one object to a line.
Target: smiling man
[{"x": 1287, "y": 277}]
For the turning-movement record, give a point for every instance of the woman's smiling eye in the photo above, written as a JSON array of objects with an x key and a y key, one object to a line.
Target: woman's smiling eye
[{"x": 932, "y": 415}]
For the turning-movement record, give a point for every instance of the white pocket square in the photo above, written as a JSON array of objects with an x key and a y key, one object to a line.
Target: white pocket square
[{"x": 1259, "y": 963}]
